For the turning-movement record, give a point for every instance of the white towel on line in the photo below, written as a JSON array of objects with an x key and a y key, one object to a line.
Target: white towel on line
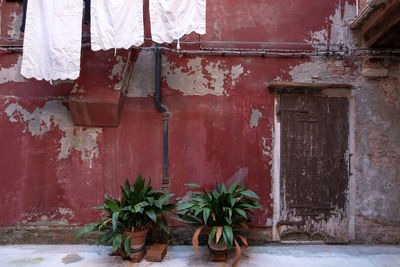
[
  {"x": 116, "y": 24},
  {"x": 52, "y": 40},
  {"x": 172, "y": 19}
]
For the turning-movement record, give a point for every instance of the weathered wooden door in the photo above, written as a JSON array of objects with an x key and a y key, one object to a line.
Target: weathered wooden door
[{"x": 314, "y": 164}]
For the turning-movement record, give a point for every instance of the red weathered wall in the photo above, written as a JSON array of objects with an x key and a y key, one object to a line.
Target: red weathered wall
[{"x": 54, "y": 172}]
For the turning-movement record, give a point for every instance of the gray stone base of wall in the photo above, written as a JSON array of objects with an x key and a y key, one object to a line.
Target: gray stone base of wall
[
  {"x": 367, "y": 232},
  {"x": 42, "y": 235},
  {"x": 64, "y": 235},
  {"x": 374, "y": 232}
]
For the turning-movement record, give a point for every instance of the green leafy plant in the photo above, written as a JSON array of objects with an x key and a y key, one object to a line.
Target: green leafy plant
[
  {"x": 135, "y": 211},
  {"x": 222, "y": 212}
]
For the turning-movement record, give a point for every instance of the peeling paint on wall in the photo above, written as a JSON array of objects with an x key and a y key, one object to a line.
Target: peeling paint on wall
[
  {"x": 117, "y": 72},
  {"x": 16, "y": 22},
  {"x": 202, "y": 77},
  {"x": 267, "y": 149},
  {"x": 255, "y": 116},
  {"x": 57, "y": 216},
  {"x": 55, "y": 114},
  {"x": 12, "y": 74},
  {"x": 236, "y": 71},
  {"x": 77, "y": 89},
  {"x": 337, "y": 28}
]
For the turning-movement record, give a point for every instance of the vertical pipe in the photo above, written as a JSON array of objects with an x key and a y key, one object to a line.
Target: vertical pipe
[
  {"x": 163, "y": 109},
  {"x": 165, "y": 180},
  {"x": 157, "y": 94},
  {"x": 165, "y": 118}
]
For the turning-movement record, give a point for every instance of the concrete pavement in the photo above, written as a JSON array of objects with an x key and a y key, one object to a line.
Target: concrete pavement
[{"x": 274, "y": 255}]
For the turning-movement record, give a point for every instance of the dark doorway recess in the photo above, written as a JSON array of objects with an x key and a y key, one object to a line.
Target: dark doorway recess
[{"x": 314, "y": 160}]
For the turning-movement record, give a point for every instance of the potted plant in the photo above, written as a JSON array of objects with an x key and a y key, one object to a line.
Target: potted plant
[
  {"x": 221, "y": 213},
  {"x": 128, "y": 219}
]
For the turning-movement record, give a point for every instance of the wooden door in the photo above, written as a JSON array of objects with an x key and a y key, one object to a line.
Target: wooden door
[{"x": 314, "y": 164}]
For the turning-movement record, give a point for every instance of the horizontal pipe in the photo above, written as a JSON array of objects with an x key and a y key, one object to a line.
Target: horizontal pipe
[
  {"x": 255, "y": 52},
  {"x": 251, "y": 43}
]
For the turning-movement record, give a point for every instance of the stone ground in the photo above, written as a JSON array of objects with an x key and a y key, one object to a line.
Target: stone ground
[{"x": 274, "y": 255}]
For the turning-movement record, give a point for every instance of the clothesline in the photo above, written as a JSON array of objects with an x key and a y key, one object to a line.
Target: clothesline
[{"x": 53, "y": 30}]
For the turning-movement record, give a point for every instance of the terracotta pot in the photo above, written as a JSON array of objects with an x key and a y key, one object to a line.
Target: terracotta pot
[
  {"x": 218, "y": 250},
  {"x": 138, "y": 239}
]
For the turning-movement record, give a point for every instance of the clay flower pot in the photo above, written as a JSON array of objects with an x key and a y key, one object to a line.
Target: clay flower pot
[
  {"x": 218, "y": 253},
  {"x": 218, "y": 250},
  {"x": 138, "y": 241}
]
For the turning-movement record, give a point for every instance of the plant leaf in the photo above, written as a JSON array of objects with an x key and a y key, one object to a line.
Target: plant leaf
[
  {"x": 238, "y": 253},
  {"x": 117, "y": 242},
  {"x": 197, "y": 211},
  {"x": 244, "y": 240},
  {"x": 198, "y": 199},
  {"x": 241, "y": 212},
  {"x": 110, "y": 203},
  {"x": 84, "y": 230},
  {"x": 115, "y": 220},
  {"x": 166, "y": 208},
  {"x": 188, "y": 219},
  {"x": 104, "y": 238},
  {"x": 233, "y": 201},
  {"x": 139, "y": 206},
  {"x": 127, "y": 246},
  {"x": 163, "y": 226},
  {"x": 250, "y": 194},
  {"x": 219, "y": 233},
  {"x": 223, "y": 188},
  {"x": 150, "y": 200},
  {"x": 185, "y": 206},
  {"x": 193, "y": 185},
  {"x": 232, "y": 188},
  {"x": 195, "y": 240},
  {"x": 160, "y": 202},
  {"x": 212, "y": 234},
  {"x": 228, "y": 235},
  {"x": 128, "y": 188},
  {"x": 152, "y": 215},
  {"x": 206, "y": 214}
]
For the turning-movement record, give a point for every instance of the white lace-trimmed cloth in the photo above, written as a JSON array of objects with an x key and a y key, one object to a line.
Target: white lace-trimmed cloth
[
  {"x": 172, "y": 19},
  {"x": 52, "y": 40},
  {"x": 116, "y": 24}
]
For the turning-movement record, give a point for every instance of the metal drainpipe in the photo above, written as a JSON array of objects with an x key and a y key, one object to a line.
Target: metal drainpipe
[{"x": 166, "y": 115}]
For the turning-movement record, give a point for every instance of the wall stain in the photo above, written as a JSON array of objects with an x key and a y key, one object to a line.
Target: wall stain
[{"x": 55, "y": 115}]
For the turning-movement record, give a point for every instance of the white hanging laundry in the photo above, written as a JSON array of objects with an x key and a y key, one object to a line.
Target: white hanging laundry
[
  {"x": 172, "y": 19},
  {"x": 116, "y": 24},
  {"x": 52, "y": 39}
]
